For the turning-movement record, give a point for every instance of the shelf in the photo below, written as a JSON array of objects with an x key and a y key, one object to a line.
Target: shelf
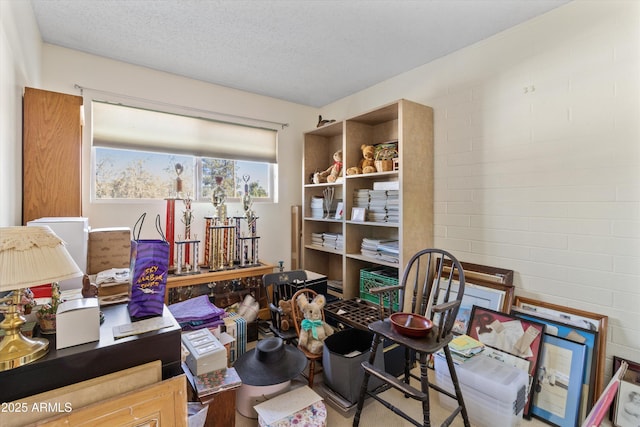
[
  {"x": 308, "y": 218},
  {"x": 323, "y": 249},
  {"x": 374, "y": 224},
  {"x": 375, "y": 175},
  {"x": 411, "y": 125},
  {"x": 373, "y": 260}
]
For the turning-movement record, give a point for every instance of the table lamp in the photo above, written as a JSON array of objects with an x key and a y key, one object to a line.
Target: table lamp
[{"x": 29, "y": 256}]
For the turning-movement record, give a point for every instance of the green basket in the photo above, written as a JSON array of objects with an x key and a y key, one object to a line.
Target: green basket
[{"x": 377, "y": 277}]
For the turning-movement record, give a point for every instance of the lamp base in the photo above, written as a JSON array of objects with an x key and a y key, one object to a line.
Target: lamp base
[{"x": 17, "y": 350}]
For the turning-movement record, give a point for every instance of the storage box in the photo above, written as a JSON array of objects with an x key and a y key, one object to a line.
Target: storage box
[
  {"x": 206, "y": 353},
  {"x": 343, "y": 353},
  {"x": 376, "y": 277},
  {"x": 77, "y": 322},
  {"x": 74, "y": 231},
  {"x": 300, "y": 406},
  {"x": 493, "y": 392},
  {"x": 108, "y": 248}
]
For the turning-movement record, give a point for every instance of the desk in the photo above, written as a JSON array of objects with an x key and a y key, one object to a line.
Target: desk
[
  {"x": 223, "y": 291},
  {"x": 67, "y": 366}
]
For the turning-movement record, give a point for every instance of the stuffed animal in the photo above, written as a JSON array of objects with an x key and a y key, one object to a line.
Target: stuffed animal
[
  {"x": 367, "y": 164},
  {"x": 332, "y": 173},
  {"x": 313, "y": 329},
  {"x": 353, "y": 170},
  {"x": 285, "y": 314}
]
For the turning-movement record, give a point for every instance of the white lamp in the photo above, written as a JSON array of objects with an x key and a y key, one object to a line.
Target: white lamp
[{"x": 29, "y": 256}]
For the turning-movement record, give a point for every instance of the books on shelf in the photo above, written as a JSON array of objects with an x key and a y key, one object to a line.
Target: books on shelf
[{"x": 215, "y": 381}]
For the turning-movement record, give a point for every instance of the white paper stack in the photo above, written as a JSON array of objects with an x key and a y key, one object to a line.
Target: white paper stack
[
  {"x": 361, "y": 198},
  {"x": 316, "y": 239},
  {"x": 317, "y": 207}
]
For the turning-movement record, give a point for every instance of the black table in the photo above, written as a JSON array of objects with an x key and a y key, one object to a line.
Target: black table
[{"x": 67, "y": 366}]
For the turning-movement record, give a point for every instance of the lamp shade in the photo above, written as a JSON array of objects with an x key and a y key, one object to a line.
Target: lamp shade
[{"x": 31, "y": 256}]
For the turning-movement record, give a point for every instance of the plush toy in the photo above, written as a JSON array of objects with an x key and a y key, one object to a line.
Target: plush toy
[
  {"x": 285, "y": 314},
  {"x": 332, "y": 173},
  {"x": 313, "y": 329},
  {"x": 354, "y": 170},
  {"x": 367, "y": 164}
]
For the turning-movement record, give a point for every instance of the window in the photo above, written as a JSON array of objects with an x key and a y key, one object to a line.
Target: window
[{"x": 135, "y": 153}]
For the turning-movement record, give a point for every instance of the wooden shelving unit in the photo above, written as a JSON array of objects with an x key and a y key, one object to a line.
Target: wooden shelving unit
[{"x": 409, "y": 123}]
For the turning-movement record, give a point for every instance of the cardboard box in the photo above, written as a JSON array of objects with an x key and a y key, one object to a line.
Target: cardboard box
[
  {"x": 77, "y": 322},
  {"x": 206, "y": 353},
  {"x": 108, "y": 248}
]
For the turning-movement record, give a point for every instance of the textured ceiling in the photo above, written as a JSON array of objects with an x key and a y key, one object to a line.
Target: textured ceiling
[{"x": 311, "y": 52}]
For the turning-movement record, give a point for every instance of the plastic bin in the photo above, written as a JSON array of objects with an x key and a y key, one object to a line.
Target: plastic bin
[
  {"x": 342, "y": 355},
  {"x": 377, "y": 277},
  {"x": 493, "y": 392}
]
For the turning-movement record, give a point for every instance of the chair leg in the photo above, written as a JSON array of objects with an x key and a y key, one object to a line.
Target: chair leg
[
  {"x": 424, "y": 387},
  {"x": 312, "y": 368},
  {"x": 456, "y": 386},
  {"x": 365, "y": 381}
]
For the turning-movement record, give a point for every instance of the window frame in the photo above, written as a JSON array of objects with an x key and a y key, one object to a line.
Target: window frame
[{"x": 87, "y": 115}]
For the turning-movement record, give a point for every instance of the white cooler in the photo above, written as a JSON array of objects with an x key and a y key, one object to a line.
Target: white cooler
[{"x": 493, "y": 392}]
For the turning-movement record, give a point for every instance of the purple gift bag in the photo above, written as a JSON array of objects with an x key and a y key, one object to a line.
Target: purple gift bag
[{"x": 148, "y": 271}]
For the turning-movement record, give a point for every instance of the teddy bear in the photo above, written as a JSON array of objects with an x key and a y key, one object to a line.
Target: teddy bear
[
  {"x": 313, "y": 330},
  {"x": 332, "y": 173},
  {"x": 367, "y": 164},
  {"x": 285, "y": 314}
]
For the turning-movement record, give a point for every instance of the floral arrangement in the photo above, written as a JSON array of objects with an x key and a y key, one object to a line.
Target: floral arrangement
[
  {"x": 47, "y": 312},
  {"x": 27, "y": 301}
]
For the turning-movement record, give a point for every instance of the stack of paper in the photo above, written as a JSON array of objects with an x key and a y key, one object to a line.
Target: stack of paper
[
  {"x": 317, "y": 207},
  {"x": 361, "y": 198},
  {"x": 464, "y": 347}
]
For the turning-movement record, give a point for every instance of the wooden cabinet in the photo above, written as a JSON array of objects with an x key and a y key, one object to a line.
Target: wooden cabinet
[
  {"x": 52, "y": 155},
  {"x": 411, "y": 125}
]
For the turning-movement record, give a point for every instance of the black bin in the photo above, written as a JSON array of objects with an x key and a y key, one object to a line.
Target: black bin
[{"x": 342, "y": 354}]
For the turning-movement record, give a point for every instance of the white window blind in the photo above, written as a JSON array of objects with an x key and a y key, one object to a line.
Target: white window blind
[{"x": 118, "y": 126}]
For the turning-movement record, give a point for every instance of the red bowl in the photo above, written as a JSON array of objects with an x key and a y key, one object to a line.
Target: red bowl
[{"x": 411, "y": 325}]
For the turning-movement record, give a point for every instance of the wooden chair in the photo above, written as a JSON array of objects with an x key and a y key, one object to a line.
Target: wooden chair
[
  {"x": 430, "y": 290},
  {"x": 281, "y": 286},
  {"x": 298, "y": 316}
]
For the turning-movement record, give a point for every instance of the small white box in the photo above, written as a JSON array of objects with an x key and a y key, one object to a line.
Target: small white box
[
  {"x": 77, "y": 322},
  {"x": 206, "y": 353}
]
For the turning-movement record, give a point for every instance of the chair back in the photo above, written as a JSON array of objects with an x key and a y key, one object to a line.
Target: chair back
[
  {"x": 434, "y": 280},
  {"x": 281, "y": 286}
]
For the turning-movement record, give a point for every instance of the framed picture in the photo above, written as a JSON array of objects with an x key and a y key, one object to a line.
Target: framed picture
[
  {"x": 556, "y": 395},
  {"x": 603, "y": 404},
  {"x": 514, "y": 336},
  {"x": 626, "y": 405},
  {"x": 497, "y": 279},
  {"x": 588, "y": 337},
  {"x": 339, "y": 210},
  {"x": 575, "y": 317},
  {"x": 473, "y": 295},
  {"x": 358, "y": 214}
]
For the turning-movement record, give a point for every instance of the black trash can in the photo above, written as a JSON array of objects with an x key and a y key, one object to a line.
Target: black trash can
[{"x": 342, "y": 354}]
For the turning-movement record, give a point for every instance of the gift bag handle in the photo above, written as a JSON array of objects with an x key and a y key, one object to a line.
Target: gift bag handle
[{"x": 137, "y": 228}]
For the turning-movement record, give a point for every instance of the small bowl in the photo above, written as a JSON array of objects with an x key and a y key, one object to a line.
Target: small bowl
[{"x": 411, "y": 325}]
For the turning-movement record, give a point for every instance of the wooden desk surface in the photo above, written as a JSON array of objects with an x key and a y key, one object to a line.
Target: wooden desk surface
[{"x": 67, "y": 366}]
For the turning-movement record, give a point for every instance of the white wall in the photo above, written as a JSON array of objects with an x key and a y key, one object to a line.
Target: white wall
[
  {"x": 538, "y": 157},
  {"x": 64, "y": 68},
  {"x": 20, "y": 46}
]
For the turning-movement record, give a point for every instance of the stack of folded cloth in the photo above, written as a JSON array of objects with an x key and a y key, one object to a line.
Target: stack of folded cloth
[
  {"x": 196, "y": 313},
  {"x": 113, "y": 285}
]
